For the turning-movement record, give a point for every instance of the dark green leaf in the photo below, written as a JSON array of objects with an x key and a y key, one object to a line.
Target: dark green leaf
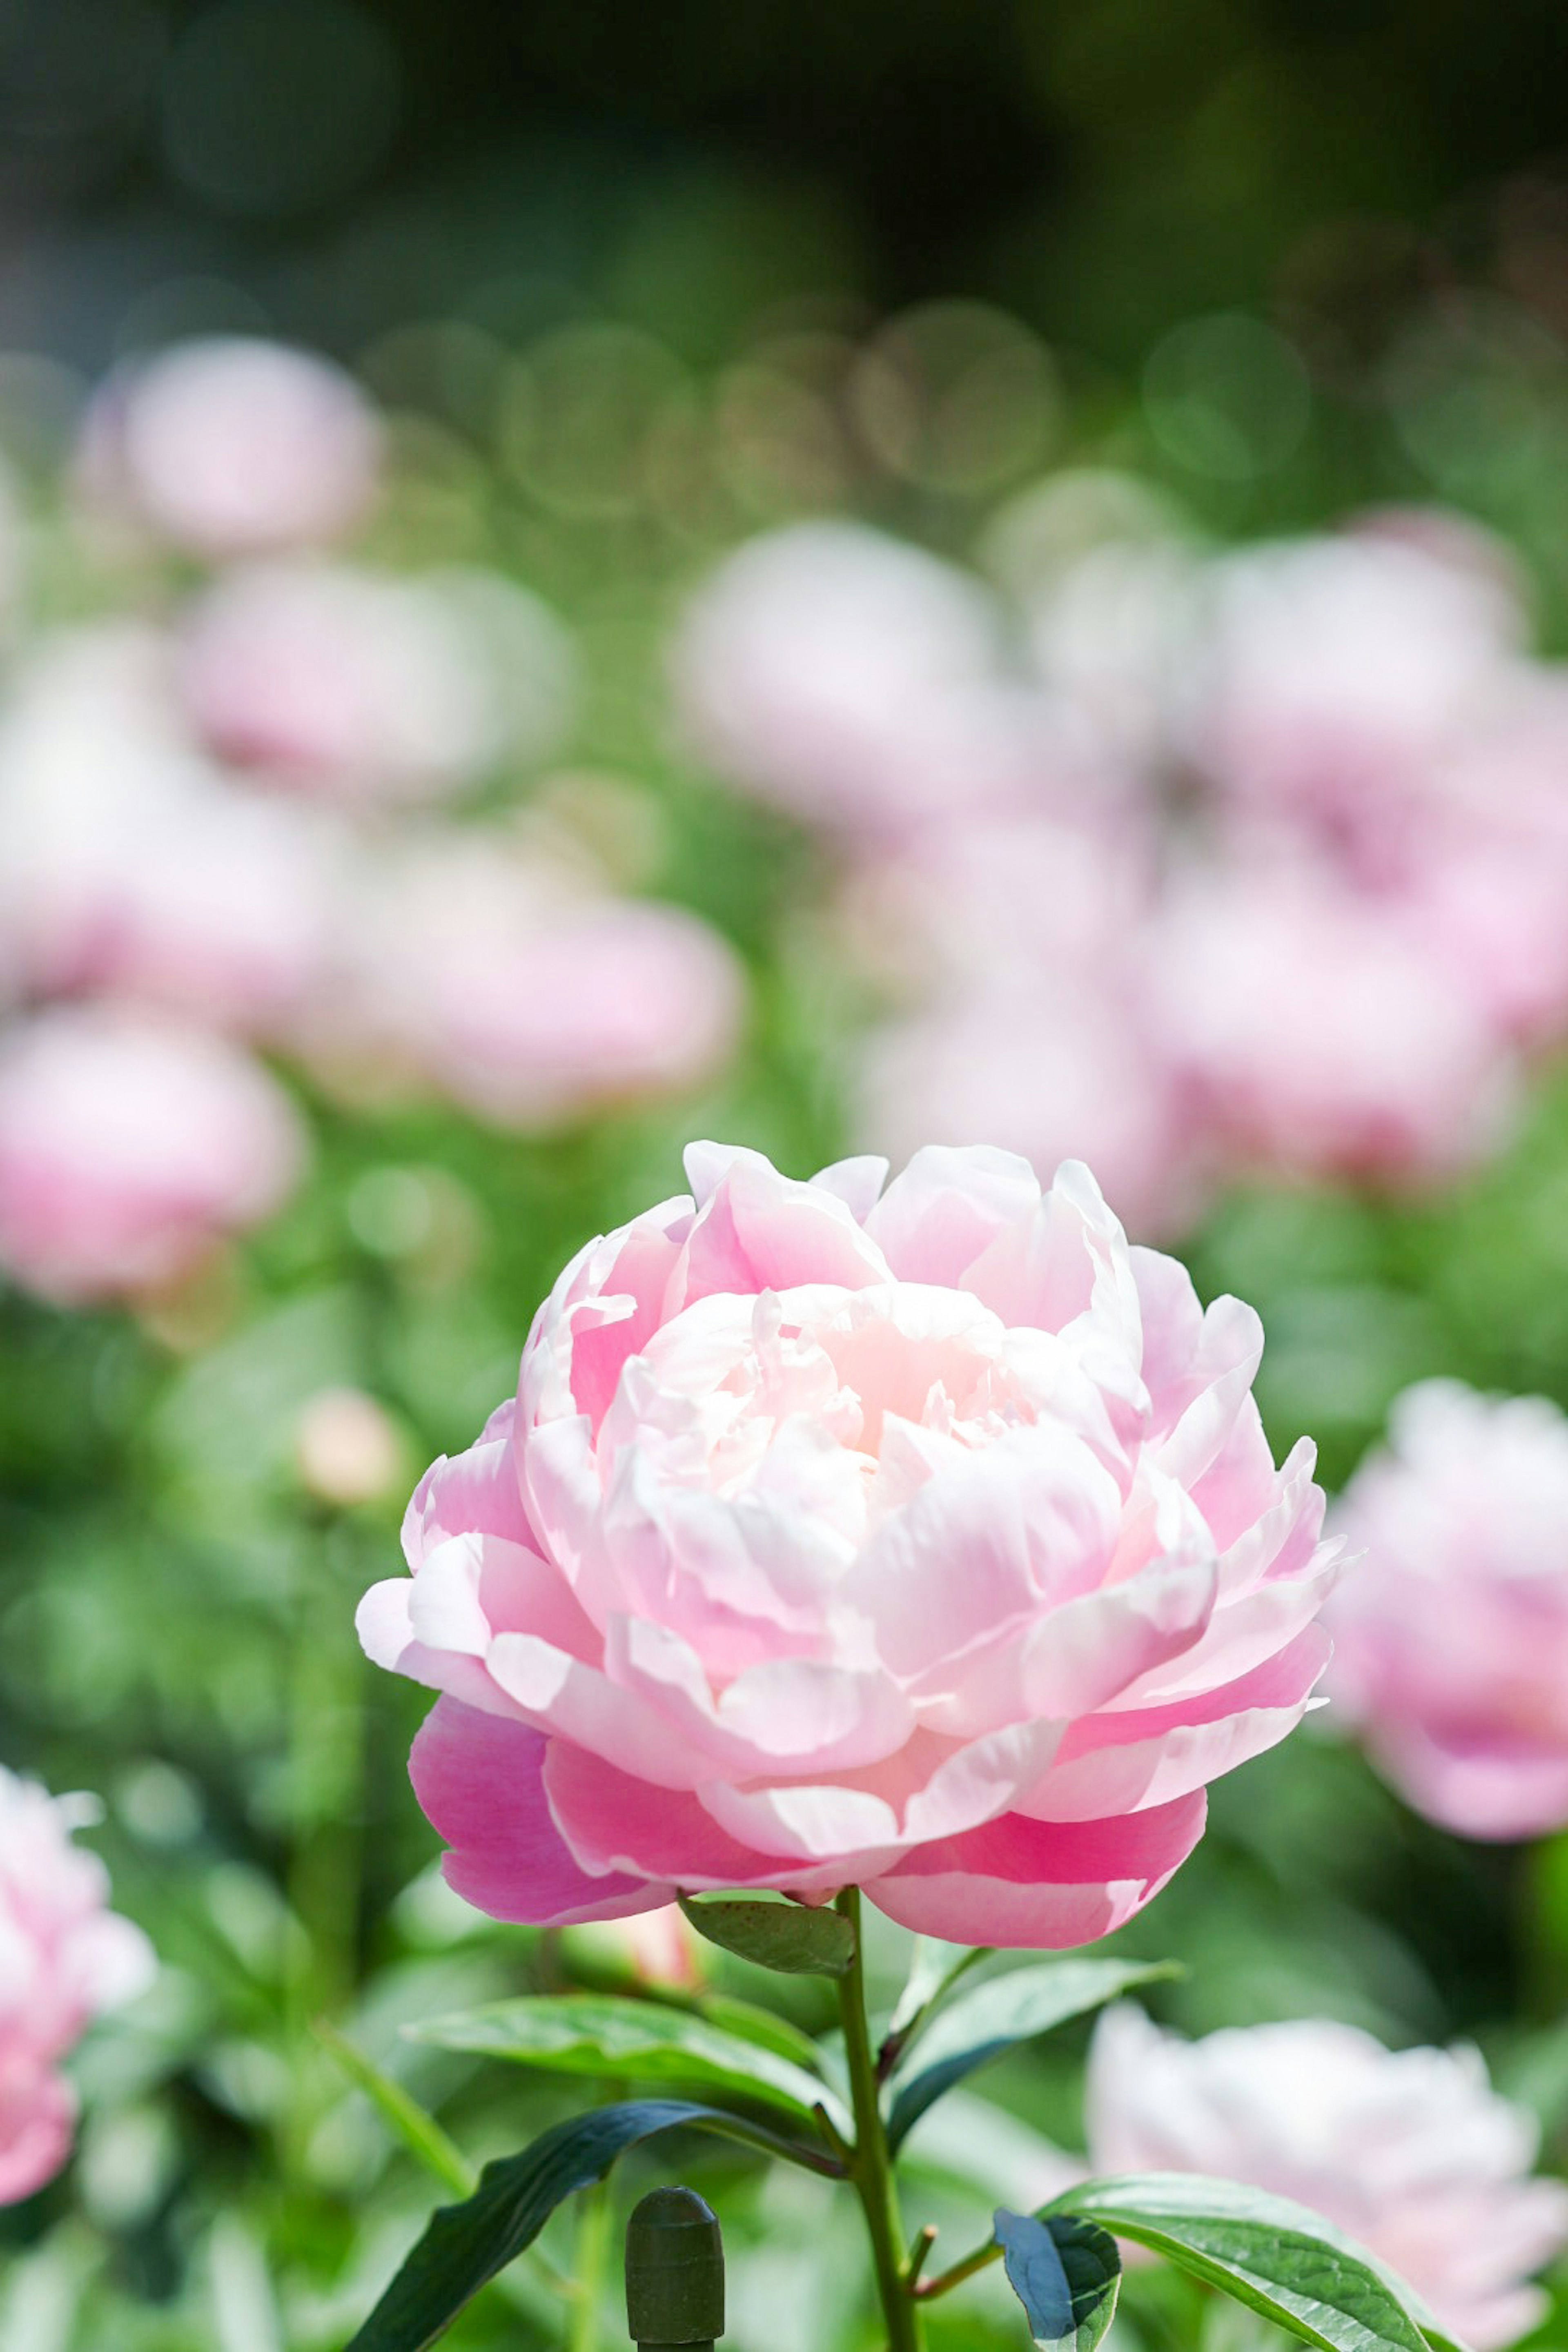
[
  {"x": 991, "y": 2018},
  {"x": 465, "y": 2245},
  {"x": 1066, "y": 2274},
  {"x": 792, "y": 1938},
  {"x": 598, "y": 2035},
  {"x": 1278, "y": 2258}
]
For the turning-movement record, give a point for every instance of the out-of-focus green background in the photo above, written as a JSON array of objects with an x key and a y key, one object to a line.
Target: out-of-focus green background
[{"x": 565, "y": 248}]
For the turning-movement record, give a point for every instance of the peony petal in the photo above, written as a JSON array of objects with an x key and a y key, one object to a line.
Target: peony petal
[
  {"x": 1121, "y": 1763},
  {"x": 480, "y": 1782},
  {"x": 1242, "y": 1633},
  {"x": 1039, "y": 1885},
  {"x": 857, "y": 1182},
  {"x": 477, "y": 1490},
  {"x": 564, "y": 1697},
  {"x": 613, "y": 1822},
  {"x": 947, "y": 1207},
  {"x": 760, "y": 1231},
  {"x": 783, "y": 1715}
]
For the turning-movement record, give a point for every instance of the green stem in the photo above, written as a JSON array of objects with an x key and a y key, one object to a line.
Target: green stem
[
  {"x": 871, "y": 2167},
  {"x": 590, "y": 2263}
]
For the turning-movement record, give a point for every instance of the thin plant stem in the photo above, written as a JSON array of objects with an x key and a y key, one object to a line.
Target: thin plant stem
[
  {"x": 871, "y": 2166},
  {"x": 945, "y": 2281},
  {"x": 590, "y": 2261}
]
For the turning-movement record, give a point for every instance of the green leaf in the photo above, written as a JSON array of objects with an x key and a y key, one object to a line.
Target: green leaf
[
  {"x": 598, "y": 2035},
  {"x": 749, "y": 2023},
  {"x": 934, "y": 1972},
  {"x": 790, "y": 1937},
  {"x": 1067, "y": 2274},
  {"x": 1279, "y": 2258},
  {"x": 996, "y": 2016},
  {"x": 465, "y": 2245}
]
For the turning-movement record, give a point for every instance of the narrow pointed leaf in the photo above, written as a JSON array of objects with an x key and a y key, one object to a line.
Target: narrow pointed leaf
[
  {"x": 1278, "y": 2258},
  {"x": 790, "y": 1937},
  {"x": 981, "y": 2024},
  {"x": 465, "y": 2245},
  {"x": 934, "y": 1972},
  {"x": 1066, "y": 2273},
  {"x": 419, "y": 2132},
  {"x": 597, "y": 2034}
]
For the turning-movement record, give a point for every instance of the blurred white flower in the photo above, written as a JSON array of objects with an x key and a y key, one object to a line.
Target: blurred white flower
[
  {"x": 1410, "y": 2152},
  {"x": 361, "y": 688},
  {"x": 231, "y": 446}
]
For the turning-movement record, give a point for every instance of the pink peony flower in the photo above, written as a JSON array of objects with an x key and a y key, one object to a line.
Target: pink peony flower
[
  {"x": 522, "y": 990},
  {"x": 64, "y": 1958},
  {"x": 1316, "y": 1035},
  {"x": 127, "y": 863},
  {"x": 1452, "y": 1637},
  {"x": 364, "y": 688},
  {"x": 858, "y": 683},
  {"x": 232, "y": 446},
  {"x": 1410, "y": 2152},
  {"x": 925, "y": 1539},
  {"x": 127, "y": 1146}
]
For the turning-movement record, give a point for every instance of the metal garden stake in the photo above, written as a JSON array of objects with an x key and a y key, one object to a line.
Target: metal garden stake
[{"x": 675, "y": 2274}]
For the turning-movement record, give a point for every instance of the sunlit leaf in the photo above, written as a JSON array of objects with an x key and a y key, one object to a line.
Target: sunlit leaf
[
  {"x": 1281, "y": 2261},
  {"x": 596, "y": 2034},
  {"x": 993, "y": 2018}
]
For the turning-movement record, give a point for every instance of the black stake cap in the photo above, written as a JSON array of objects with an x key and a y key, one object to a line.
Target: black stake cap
[{"x": 675, "y": 2270}]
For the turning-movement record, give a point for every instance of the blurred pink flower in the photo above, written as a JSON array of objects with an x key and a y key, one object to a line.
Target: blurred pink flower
[
  {"x": 1055, "y": 1071},
  {"x": 1410, "y": 2152},
  {"x": 1010, "y": 940},
  {"x": 1315, "y": 1036},
  {"x": 859, "y": 683},
  {"x": 1107, "y": 575},
  {"x": 127, "y": 863},
  {"x": 521, "y": 990},
  {"x": 231, "y": 446},
  {"x": 1482, "y": 873},
  {"x": 926, "y": 1538},
  {"x": 359, "y": 687},
  {"x": 128, "y": 1146},
  {"x": 1451, "y": 1637},
  {"x": 64, "y": 1958},
  {"x": 1336, "y": 670}
]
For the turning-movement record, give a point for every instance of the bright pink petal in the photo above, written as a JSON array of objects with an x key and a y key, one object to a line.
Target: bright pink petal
[
  {"x": 1039, "y": 1885},
  {"x": 480, "y": 1782},
  {"x": 616, "y": 1823}
]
